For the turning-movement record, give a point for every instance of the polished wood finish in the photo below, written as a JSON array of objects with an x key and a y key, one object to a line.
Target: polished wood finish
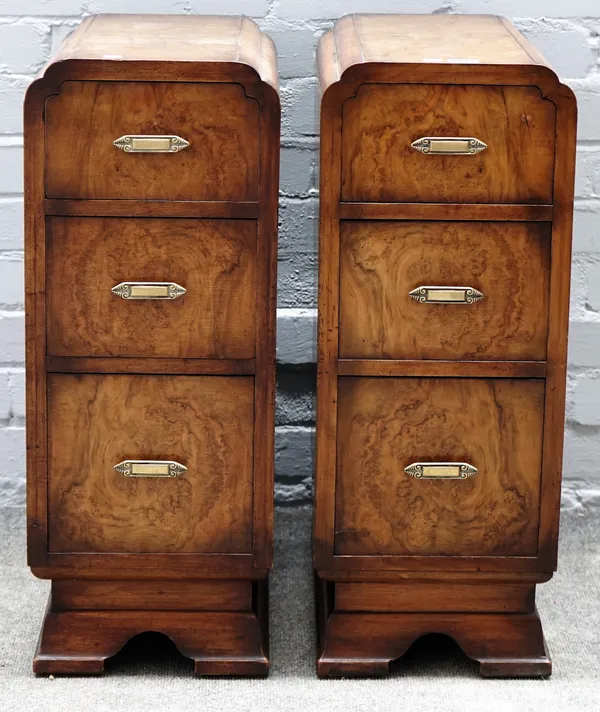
[
  {"x": 380, "y": 263},
  {"x": 459, "y": 369},
  {"x": 194, "y": 383},
  {"x": 218, "y": 120},
  {"x": 214, "y": 260},
  {"x": 443, "y": 211},
  {"x": 205, "y": 423},
  {"x": 386, "y": 424},
  {"x": 365, "y": 643},
  {"x": 152, "y": 595},
  {"x": 153, "y": 208},
  {"x": 411, "y": 597},
  {"x": 400, "y": 381},
  {"x": 77, "y": 642},
  {"x": 381, "y": 122}
]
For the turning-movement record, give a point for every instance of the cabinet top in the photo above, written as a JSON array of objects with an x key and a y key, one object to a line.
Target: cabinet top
[
  {"x": 422, "y": 39},
  {"x": 172, "y": 38}
]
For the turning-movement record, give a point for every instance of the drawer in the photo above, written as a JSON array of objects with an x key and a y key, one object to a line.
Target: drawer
[
  {"x": 388, "y": 424},
  {"x": 214, "y": 261},
  {"x": 218, "y": 121},
  {"x": 381, "y": 123},
  {"x": 384, "y": 314},
  {"x": 98, "y": 422}
]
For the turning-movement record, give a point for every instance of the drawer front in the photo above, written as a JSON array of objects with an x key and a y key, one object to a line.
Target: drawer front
[
  {"x": 214, "y": 261},
  {"x": 388, "y": 424},
  {"x": 383, "y": 121},
  {"x": 490, "y": 299},
  {"x": 204, "y": 424},
  {"x": 220, "y": 124}
]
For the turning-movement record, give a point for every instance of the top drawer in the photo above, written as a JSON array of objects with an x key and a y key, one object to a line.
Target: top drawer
[
  {"x": 379, "y": 163},
  {"x": 220, "y": 123}
]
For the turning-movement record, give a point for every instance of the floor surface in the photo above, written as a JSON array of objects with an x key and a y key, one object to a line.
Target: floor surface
[{"x": 149, "y": 675}]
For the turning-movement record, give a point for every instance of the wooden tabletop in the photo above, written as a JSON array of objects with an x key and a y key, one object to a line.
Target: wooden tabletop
[{"x": 173, "y": 38}]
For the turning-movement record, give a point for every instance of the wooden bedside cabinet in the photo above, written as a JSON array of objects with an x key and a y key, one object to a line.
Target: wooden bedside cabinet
[
  {"x": 151, "y": 171},
  {"x": 446, "y": 189}
]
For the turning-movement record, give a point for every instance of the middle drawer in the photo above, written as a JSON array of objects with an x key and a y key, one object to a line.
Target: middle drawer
[
  {"x": 444, "y": 290},
  {"x": 94, "y": 310}
]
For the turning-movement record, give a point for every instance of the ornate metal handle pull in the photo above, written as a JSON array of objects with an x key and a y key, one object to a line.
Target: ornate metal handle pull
[
  {"x": 150, "y": 468},
  {"x": 446, "y": 295},
  {"x": 449, "y": 145},
  {"x": 148, "y": 290},
  {"x": 440, "y": 470},
  {"x": 151, "y": 144}
]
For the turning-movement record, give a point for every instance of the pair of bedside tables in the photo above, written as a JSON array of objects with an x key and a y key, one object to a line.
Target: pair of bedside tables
[{"x": 446, "y": 192}]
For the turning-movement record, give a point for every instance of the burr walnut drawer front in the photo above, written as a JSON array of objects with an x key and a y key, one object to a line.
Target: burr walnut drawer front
[
  {"x": 150, "y": 464},
  {"x": 441, "y": 143},
  {"x": 444, "y": 290},
  {"x": 438, "y": 466},
  {"x": 174, "y": 141},
  {"x": 154, "y": 287}
]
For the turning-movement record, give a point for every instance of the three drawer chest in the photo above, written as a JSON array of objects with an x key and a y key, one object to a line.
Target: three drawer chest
[
  {"x": 151, "y": 169},
  {"x": 446, "y": 190}
]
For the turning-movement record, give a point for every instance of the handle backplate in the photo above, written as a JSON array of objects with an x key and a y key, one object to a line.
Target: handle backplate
[
  {"x": 150, "y": 144},
  {"x": 148, "y": 290},
  {"x": 445, "y": 295},
  {"x": 449, "y": 145},
  {"x": 150, "y": 468},
  {"x": 440, "y": 470}
]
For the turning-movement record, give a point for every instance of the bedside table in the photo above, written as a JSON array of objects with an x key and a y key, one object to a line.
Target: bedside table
[
  {"x": 151, "y": 183},
  {"x": 447, "y": 172}
]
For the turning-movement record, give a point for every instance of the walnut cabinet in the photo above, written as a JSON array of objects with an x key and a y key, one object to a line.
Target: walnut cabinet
[
  {"x": 151, "y": 178},
  {"x": 446, "y": 195}
]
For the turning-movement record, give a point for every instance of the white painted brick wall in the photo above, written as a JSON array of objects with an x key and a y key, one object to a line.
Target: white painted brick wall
[{"x": 568, "y": 33}]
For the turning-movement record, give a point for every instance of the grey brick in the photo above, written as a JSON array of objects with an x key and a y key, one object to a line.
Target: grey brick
[
  {"x": 12, "y": 337},
  {"x": 297, "y": 280},
  {"x": 296, "y": 336},
  {"x": 295, "y": 403},
  {"x": 295, "y": 51},
  {"x": 584, "y": 344},
  {"x": 297, "y": 165},
  {"x": 11, "y": 281},
  {"x": 586, "y": 227},
  {"x": 298, "y": 226},
  {"x": 11, "y": 224},
  {"x": 24, "y": 46},
  {"x": 294, "y": 453},
  {"x": 11, "y": 160},
  {"x": 298, "y": 98}
]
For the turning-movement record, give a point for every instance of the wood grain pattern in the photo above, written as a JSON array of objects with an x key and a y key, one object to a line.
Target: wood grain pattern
[
  {"x": 214, "y": 260},
  {"x": 151, "y": 595},
  {"x": 456, "y": 49},
  {"x": 219, "y": 121},
  {"x": 381, "y": 122},
  {"x": 429, "y": 39},
  {"x": 381, "y": 262},
  {"x": 212, "y": 41},
  {"x": 387, "y": 424},
  {"x": 441, "y": 211},
  {"x": 364, "y": 644},
  {"x": 95, "y": 422},
  {"x": 435, "y": 596},
  {"x": 219, "y": 642}
]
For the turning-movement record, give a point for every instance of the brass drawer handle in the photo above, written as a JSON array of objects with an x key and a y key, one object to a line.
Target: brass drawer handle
[
  {"x": 446, "y": 295},
  {"x": 449, "y": 145},
  {"x": 150, "y": 468},
  {"x": 151, "y": 144},
  {"x": 440, "y": 470},
  {"x": 148, "y": 290}
]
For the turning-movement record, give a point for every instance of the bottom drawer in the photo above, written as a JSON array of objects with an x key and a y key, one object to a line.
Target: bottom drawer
[
  {"x": 204, "y": 423},
  {"x": 388, "y": 424}
]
